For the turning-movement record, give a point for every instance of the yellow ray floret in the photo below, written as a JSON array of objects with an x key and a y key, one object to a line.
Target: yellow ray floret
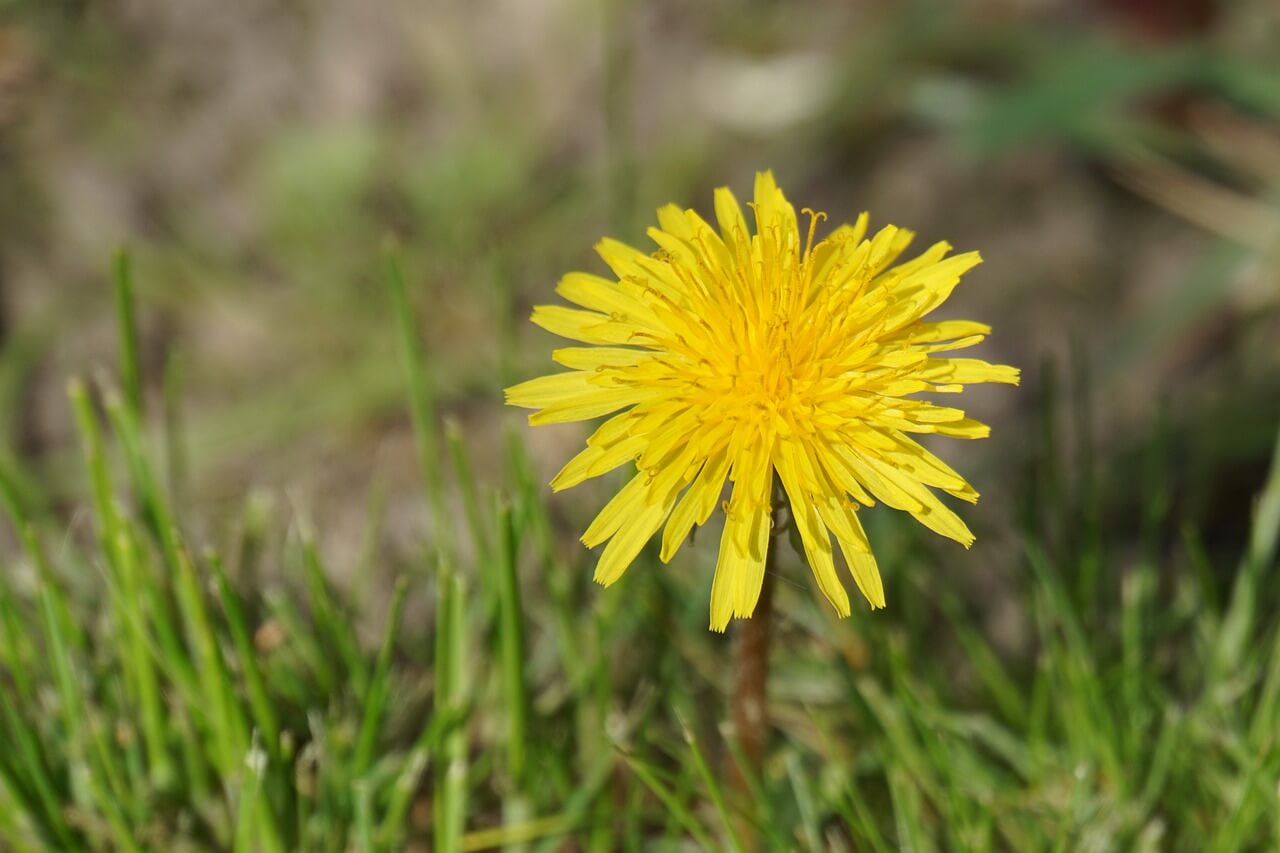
[{"x": 732, "y": 359}]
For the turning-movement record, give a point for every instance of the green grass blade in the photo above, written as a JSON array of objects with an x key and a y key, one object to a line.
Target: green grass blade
[
  {"x": 422, "y": 406},
  {"x": 141, "y": 668},
  {"x": 512, "y": 652},
  {"x": 218, "y": 701},
  {"x": 450, "y": 659},
  {"x": 88, "y": 746},
  {"x": 391, "y": 830},
  {"x": 332, "y": 626},
  {"x": 675, "y": 807},
  {"x": 260, "y": 704},
  {"x": 805, "y": 801},
  {"x": 464, "y": 476},
  {"x": 363, "y": 795},
  {"x": 712, "y": 787},
  {"x": 1238, "y": 623},
  {"x": 127, "y": 326},
  {"x": 379, "y": 687}
]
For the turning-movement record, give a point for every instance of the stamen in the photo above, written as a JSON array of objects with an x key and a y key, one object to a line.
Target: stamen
[{"x": 815, "y": 216}]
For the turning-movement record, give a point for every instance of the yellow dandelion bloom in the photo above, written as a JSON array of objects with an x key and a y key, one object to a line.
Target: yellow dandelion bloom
[{"x": 738, "y": 356}]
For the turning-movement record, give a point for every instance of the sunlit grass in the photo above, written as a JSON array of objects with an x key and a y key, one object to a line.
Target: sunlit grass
[{"x": 155, "y": 699}]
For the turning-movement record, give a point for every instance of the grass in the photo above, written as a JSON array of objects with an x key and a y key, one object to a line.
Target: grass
[
  {"x": 166, "y": 686},
  {"x": 155, "y": 699}
]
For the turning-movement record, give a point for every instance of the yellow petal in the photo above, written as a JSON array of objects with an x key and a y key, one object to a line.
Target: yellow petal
[
  {"x": 813, "y": 533},
  {"x": 969, "y": 371},
  {"x": 696, "y": 505},
  {"x": 605, "y": 296},
  {"x": 861, "y": 560},
  {"x": 927, "y": 509},
  {"x": 596, "y": 460},
  {"x": 628, "y": 502},
  {"x": 592, "y": 358},
  {"x": 733, "y": 225},
  {"x": 928, "y": 468},
  {"x": 628, "y": 541},
  {"x": 944, "y": 330},
  {"x": 923, "y": 291},
  {"x": 739, "y": 575},
  {"x": 590, "y": 327}
]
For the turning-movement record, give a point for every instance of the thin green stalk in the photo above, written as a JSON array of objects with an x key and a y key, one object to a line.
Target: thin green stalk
[
  {"x": 141, "y": 668},
  {"x": 330, "y": 623},
  {"x": 105, "y": 778},
  {"x": 675, "y": 807},
  {"x": 15, "y": 645},
  {"x": 466, "y": 481},
  {"x": 95, "y": 462},
  {"x": 195, "y": 763},
  {"x": 174, "y": 658},
  {"x": 45, "y": 798},
  {"x": 422, "y": 406},
  {"x": 713, "y": 788},
  {"x": 513, "y": 651},
  {"x": 364, "y": 815},
  {"x": 530, "y": 510},
  {"x": 585, "y": 796},
  {"x": 130, "y": 363},
  {"x": 514, "y": 835},
  {"x": 391, "y": 830},
  {"x": 264, "y": 714},
  {"x": 451, "y": 772},
  {"x": 219, "y": 704},
  {"x": 306, "y": 648},
  {"x": 128, "y": 431},
  {"x": 176, "y": 464},
  {"x": 379, "y": 686},
  {"x": 252, "y": 808}
]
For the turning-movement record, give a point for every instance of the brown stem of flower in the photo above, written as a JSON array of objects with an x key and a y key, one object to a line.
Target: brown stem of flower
[{"x": 750, "y": 722}]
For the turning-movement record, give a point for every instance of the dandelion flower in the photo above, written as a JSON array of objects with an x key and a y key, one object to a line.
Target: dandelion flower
[{"x": 733, "y": 356}]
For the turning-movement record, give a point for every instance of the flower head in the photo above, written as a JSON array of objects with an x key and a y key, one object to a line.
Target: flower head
[{"x": 737, "y": 356}]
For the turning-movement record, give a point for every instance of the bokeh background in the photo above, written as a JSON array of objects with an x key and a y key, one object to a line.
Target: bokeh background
[{"x": 1117, "y": 163}]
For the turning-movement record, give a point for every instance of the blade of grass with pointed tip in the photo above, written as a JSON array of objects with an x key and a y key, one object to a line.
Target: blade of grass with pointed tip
[
  {"x": 1241, "y": 612},
  {"x": 465, "y": 478},
  {"x": 254, "y": 829},
  {"x": 422, "y": 405},
  {"x": 44, "y": 801},
  {"x": 712, "y": 786},
  {"x": 174, "y": 657},
  {"x": 127, "y": 326},
  {"x": 391, "y": 830},
  {"x": 379, "y": 686},
  {"x": 260, "y": 704},
  {"x": 330, "y": 623},
  {"x": 105, "y": 778},
  {"x": 804, "y": 801},
  {"x": 675, "y": 807}
]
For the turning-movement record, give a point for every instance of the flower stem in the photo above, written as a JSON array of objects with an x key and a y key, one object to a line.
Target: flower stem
[
  {"x": 750, "y": 722},
  {"x": 753, "y": 673}
]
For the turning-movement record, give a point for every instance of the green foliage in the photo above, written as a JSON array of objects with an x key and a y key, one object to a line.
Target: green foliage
[
  {"x": 156, "y": 693},
  {"x": 154, "y": 700}
]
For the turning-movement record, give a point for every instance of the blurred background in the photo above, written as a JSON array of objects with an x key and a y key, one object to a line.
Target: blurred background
[{"x": 1117, "y": 163}]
